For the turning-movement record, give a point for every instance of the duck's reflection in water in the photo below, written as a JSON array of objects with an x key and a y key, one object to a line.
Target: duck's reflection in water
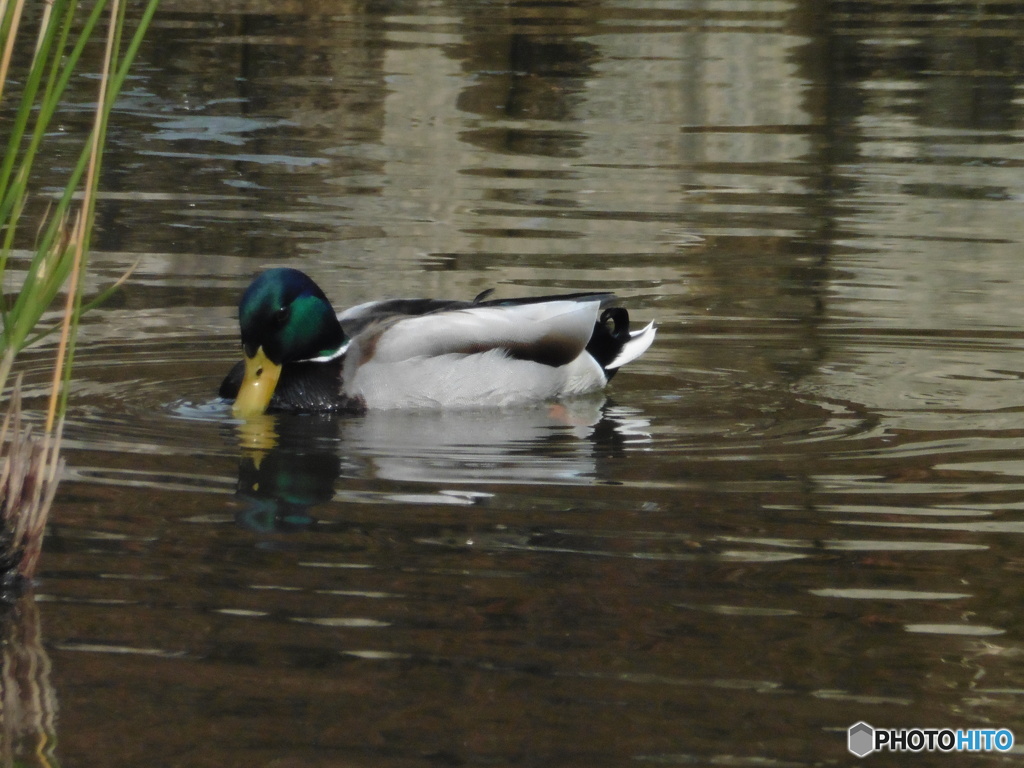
[
  {"x": 292, "y": 463},
  {"x": 287, "y": 465}
]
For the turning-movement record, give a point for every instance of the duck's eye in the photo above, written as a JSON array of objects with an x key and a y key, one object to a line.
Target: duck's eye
[{"x": 281, "y": 316}]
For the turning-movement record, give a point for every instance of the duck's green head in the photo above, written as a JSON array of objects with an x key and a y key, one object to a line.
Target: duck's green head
[{"x": 285, "y": 318}]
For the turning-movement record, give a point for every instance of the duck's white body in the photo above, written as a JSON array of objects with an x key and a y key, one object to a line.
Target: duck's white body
[
  {"x": 478, "y": 356},
  {"x": 467, "y": 381}
]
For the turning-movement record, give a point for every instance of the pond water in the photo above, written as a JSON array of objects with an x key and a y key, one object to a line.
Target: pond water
[{"x": 802, "y": 508}]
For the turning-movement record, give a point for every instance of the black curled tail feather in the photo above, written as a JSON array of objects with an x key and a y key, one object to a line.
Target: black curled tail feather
[{"x": 611, "y": 332}]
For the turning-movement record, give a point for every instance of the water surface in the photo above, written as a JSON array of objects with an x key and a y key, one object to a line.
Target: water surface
[{"x": 800, "y": 509}]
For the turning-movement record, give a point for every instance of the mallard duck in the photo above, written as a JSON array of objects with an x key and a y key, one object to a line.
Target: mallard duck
[{"x": 421, "y": 353}]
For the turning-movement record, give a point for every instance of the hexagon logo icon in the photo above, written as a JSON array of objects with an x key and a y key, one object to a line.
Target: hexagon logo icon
[{"x": 860, "y": 739}]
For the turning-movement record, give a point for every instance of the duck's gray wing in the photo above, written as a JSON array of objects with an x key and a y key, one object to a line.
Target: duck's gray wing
[{"x": 552, "y": 332}]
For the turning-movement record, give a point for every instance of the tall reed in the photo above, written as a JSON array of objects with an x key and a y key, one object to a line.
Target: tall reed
[{"x": 52, "y": 44}]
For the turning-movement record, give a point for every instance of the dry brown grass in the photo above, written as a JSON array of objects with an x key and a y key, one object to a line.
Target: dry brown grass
[{"x": 29, "y": 473}]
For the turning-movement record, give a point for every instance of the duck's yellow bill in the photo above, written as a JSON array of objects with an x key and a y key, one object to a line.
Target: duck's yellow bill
[{"x": 257, "y": 388}]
